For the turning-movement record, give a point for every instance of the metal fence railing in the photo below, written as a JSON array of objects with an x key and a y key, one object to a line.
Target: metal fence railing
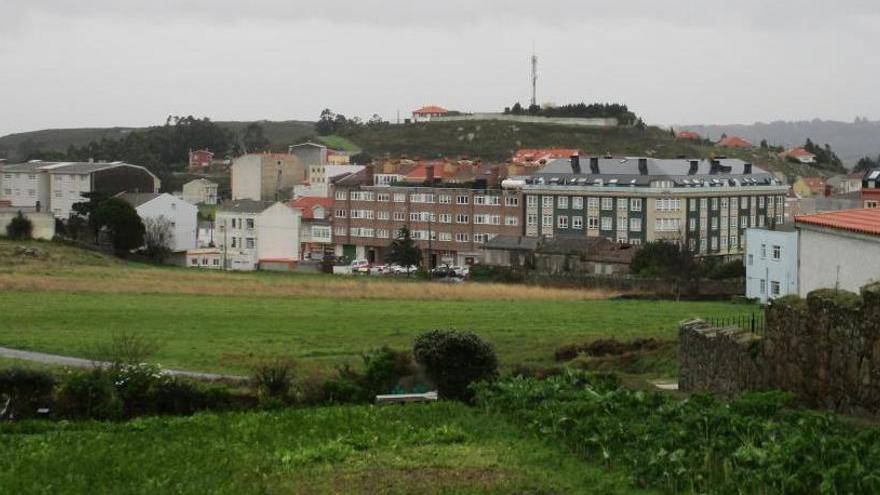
[{"x": 752, "y": 322}]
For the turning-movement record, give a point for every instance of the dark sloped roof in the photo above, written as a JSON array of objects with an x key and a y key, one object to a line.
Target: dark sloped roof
[
  {"x": 512, "y": 243},
  {"x": 245, "y": 206},
  {"x": 137, "y": 199}
]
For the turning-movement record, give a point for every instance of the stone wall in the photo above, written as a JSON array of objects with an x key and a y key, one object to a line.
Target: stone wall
[{"x": 825, "y": 349}]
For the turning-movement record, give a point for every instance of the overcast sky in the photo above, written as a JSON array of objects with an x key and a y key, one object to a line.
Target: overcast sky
[{"x": 133, "y": 62}]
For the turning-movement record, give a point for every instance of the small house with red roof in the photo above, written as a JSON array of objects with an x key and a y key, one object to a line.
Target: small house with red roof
[
  {"x": 695, "y": 136},
  {"x": 800, "y": 155},
  {"x": 315, "y": 234},
  {"x": 838, "y": 249},
  {"x": 734, "y": 142},
  {"x": 428, "y": 112},
  {"x": 200, "y": 160}
]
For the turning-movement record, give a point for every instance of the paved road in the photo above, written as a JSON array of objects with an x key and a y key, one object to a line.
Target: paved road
[{"x": 41, "y": 357}]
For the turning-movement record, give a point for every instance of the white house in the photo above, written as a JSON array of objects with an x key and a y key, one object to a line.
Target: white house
[
  {"x": 182, "y": 215},
  {"x": 57, "y": 186},
  {"x": 838, "y": 249},
  {"x": 771, "y": 260},
  {"x": 200, "y": 191},
  {"x": 278, "y": 237},
  {"x": 210, "y": 258},
  {"x": 235, "y": 233}
]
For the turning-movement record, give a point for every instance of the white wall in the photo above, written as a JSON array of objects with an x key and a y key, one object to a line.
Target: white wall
[
  {"x": 763, "y": 269},
  {"x": 182, "y": 214},
  {"x": 200, "y": 191},
  {"x": 832, "y": 258},
  {"x": 246, "y": 177},
  {"x": 233, "y": 236},
  {"x": 278, "y": 233},
  {"x": 65, "y": 190}
]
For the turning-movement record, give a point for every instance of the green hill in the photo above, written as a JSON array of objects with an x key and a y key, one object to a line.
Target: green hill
[{"x": 497, "y": 140}]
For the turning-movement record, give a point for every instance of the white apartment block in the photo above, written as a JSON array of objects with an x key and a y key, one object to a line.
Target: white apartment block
[{"x": 182, "y": 215}]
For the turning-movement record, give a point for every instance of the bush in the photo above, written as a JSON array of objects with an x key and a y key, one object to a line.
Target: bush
[
  {"x": 273, "y": 380},
  {"x": 20, "y": 228},
  {"x": 728, "y": 270},
  {"x": 454, "y": 360},
  {"x": 25, "y": 391},
  {"x": 180, "y": 397},
  {"x": 136, "y": 386},
  {"x": 90, "y": 395},
  {"x": 126, "y": 348},
  {"x": 383, "y": 369}
]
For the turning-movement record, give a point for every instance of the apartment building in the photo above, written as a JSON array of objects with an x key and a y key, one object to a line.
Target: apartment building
[
  {"x": 704, "y": 204},
  {"x": 450, "y": 222},
  {"x": 57, "y": 186},
  {"x": 235, "y": 233},
  {"x": 200, "y": 191},
  {"x": 870, "y": 192},
  {"x": 771, "y": 260},
  {"x": 266, "y": 176},
  {"x": 315, "y": 231}
]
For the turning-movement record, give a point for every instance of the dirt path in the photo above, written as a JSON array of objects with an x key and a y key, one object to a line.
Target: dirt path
[{"x": 73, "y": 362}]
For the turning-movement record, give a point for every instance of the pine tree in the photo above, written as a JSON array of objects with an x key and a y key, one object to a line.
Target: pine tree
[{"x": 403, "y": 250}]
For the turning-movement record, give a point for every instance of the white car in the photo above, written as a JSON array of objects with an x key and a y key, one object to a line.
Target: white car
[
  {"x": 360, "y": 266},
  {"x": 403, "y": 270}
]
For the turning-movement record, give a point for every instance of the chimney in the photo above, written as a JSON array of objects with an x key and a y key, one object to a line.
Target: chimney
[
  {"x": 370, "y": 174},
  {"x": 594, "y": 164},
  {"x": 429, "y": 174},
  {"x": 643, "y": 166},
  {"x": 37, "y": 206},
  {"x": 716, "y": 165},
  {"x": 695, "y": 165},
  {"x": 575, "y": 163},
  {"x": 747, "y": 168}
]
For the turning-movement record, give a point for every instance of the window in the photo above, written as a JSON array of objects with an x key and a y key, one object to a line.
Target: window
[
  {"x": 761, "y": 221},
  {"x": 494, "y": 219},
  {"x": 577, "y": 203},
  {"x": 339, "y": 230},
  {"x": 413, "y": 216},
  {"x": 194, "y": 261},
  {"x": 635, "y": 204},
  {"x": 446, "y": 218},
  {"x": 532, "y": 200},
  {"x": 562, "y": 222},
  {"x": 577, "y": 223},
  {"x": 385, "y": 197},
  {"x": 383, "y": 215},
  {"x": 511, "y": 221},
  {"x": 461, "y": 237},
  {"x": 714, "y": 223},
  {"x": 562, "y": 202},
  {"x": 461, "y": 200},
  {"x": 399, "y": 216},
  {"x": 724, "y": 202},
  {"x": 32, "y": 192},
  {"x": 774, "y": 288},
  {"x": 751, "y": 259},
  {"x": 606, "y": 223},
  {"x": 57, "y": 192},
  {"x": 399, "y": 198},
  {"x": 734, "y": 203},
  {"x": 666, "y": 224},
  {"x": 460, "y": 218},
  {"x": 635, "y": 224},
  {"x": 733, "y": 222},
  {"x": 776, "y": 252},
  {"x": 511, "y": 201},
  {"x": 703, "y": 245},
  {"x": 733, "y": 241},
  {"x": 744, "y": 222},
  {"x": 763, "y": 289},
  {"x": 704, "y": 203},
  {"x": 760, "y": 201},
  {"x": 692, "y": 224},
  {"x": 763, "y": 251},
  {"x": 714, "y": 243},
  {"x": 692, "y": 205},
  {"x": 482, "y": 238},
  {"x": 607, "y": 203},
  {"x": 444, "y": 199},
  {"x": 547, "y": 201},
  {"x": 547, "y": 221},
  {"x": 532, "y": 220},
  {"x": 7, "y": 191},
  {"x": 249, "y": 242},
  {"x": 480, "y": 219},
  {"x": 445, "y": 236},
  {"x": 622, "y": 204},
  {"x": 250, "y": 223},
  {"x": 362, "y": 195},
  {"x": 714, "y": 203},
  {"x": 593, "y": 203}
]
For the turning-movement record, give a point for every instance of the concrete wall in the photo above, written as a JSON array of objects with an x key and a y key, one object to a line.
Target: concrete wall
[
  {"x": 762, "y": 269},
  {"x": 246, "y": 177},
  {"x": 528, "y": 118},
  {"x": 43, "y": 222},
  {"x": 265, "y": 177},
  {"x": 831, "y": 258},
  {"x": 825, "y": 349},
  {"x": 278, "y": 233}
]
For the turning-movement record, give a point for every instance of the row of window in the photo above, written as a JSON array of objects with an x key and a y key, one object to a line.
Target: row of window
[
  {"x": 577, "y": 202},
  {"x": 427, "y": 216},
  {"x": 735, "y": 203},
  {"x": 419, "y": 235},
  {"x": 445, "y": 199},
  {"x": 592, "y": 222},
  {"x": 246, "y": 243},
  {"x": 58, "y": 177},
  {"x": 241, "y": 223},
  {"x": 717, "y": 242},
  {"x": 744, "y": 222}
]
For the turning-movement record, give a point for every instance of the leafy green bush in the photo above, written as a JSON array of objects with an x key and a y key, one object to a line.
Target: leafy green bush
[
  {"x": 453, "y": 360},
  {"x": 20, "y": 228},
  {"x": 24, "y": 391},
  {"x": 90, "y": 395},
  {"x": 696, "y": 445},
  {"x": 273, "y": 380},
  {"x": 136, "y": 386},
  {"x": 726, "y": 270},
  {"x": 383, "y": 369}
]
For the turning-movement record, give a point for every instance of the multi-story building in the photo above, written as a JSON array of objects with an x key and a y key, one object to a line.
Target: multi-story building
[
  {"x": 57, "y": 186},
  {"x": 255, "y": 234},
  {"x": 771, "y": 260},
  {"x": 315, "y": 232},
  {"x": 704, "y": 204},
  {"x": 200, "y": 191},
  {"x": 182, "y": 216},
  {"x": 266, "y": 176},
  {"x": 448, "y": 221},
  {"x": 870, "y": 193}
]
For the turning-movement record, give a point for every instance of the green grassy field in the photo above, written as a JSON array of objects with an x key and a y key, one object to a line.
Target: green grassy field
[
  {"x": 230, "y": 333},
  {"x": 438, "y": 448}
]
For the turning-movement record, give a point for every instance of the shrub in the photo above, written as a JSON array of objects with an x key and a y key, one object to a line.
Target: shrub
[
  {"x": 25, "y": 391},
  {"x": 383, "y": 369},
  {"x": 345, "y": 387},
  {"x": 273, "y": 380},
  {"x": 90, "y": 395},
  {"x": 126, "y": 348},
  {"x": 20, "y": 228},
  {"x": 454, "y": 360},
  {"x": 180, "y": 397},
  {"x": 136, "y": 386}
]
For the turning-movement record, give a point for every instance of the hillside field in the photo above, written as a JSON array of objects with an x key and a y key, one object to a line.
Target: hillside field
[{"x": 68, "y": 301}]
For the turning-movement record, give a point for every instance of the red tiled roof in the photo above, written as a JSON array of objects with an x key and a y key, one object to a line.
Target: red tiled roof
[
  {"x": 308, "y": 204},
  {"x": 688, "y": 135},
  {"x": 863, "y": 221},
  {"x": 529, "y": 155},
  {"x": 420, "y": 172},
  {"x": 430, "y": 109},
  {"x": 734, "y": 142},
  {"x": 799, "y": 152}
]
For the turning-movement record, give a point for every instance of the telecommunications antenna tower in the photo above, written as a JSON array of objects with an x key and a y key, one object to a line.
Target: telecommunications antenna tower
[{"x": 534, "y": 78}]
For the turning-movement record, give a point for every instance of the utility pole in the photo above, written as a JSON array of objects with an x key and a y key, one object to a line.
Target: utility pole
[{"x": 534, "y": 77}]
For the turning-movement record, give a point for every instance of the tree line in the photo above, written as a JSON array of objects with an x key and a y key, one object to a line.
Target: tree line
[{"x": 579, "y": 110}]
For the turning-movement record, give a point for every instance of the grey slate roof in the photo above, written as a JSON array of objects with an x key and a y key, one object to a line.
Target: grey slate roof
[
  {"x": 512, "y": 243},
  {"x": 625, "y": 171},
  {"x": 65, "y": 167},
  {"x": 245, "y": 206},
  {"x": 137, "y": 199}
]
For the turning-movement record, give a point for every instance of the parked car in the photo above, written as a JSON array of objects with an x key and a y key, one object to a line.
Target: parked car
[
  {"x": 360, "y": 266},
  {"x": 443, "y": 271},
  {"x": 380, "y": 270},
  {"x": 397, "y": 269}
]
